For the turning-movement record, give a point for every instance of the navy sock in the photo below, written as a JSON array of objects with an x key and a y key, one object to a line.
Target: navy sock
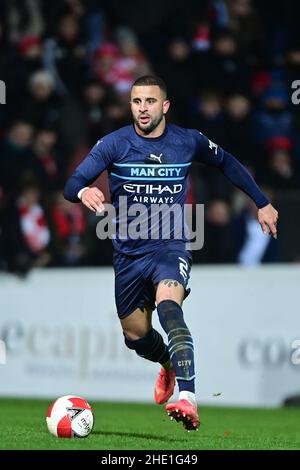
[
  {"x": 151, "y": 347},
  {"x": 181, "y": 346}
]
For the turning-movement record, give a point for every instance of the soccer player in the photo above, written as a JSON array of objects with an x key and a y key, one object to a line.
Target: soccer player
[{"x": 148, "y": 162}]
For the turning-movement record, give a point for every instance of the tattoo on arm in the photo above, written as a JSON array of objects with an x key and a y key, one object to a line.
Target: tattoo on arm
[{"x": 171, "y": 283}]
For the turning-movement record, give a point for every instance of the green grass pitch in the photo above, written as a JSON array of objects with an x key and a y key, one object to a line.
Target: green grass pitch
[{"x": 123, "y": 426}]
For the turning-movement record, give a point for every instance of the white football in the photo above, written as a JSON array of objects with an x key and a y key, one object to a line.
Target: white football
[{"x": 70, "y": 416}]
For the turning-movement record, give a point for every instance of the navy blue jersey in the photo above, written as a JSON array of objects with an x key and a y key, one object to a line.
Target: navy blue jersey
[{"x": 154, "y": 171}]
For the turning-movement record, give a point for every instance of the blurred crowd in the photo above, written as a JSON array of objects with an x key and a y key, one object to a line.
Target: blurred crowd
[{"x": 68, "y": 67}]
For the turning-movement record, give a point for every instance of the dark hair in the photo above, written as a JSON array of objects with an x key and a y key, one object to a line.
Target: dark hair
[{"x": 149, "y": 80}]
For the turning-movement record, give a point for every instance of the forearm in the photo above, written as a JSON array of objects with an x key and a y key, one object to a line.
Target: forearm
[
  {"x": 73, "y": 185},
  {"x": 241, "y": 178},
  {"x": 88, "y": 171}
]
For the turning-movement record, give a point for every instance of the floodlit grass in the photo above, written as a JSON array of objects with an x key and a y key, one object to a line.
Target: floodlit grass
[{"x": 124, "y": 426}]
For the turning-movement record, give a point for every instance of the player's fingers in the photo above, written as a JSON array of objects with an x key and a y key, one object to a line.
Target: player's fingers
[
  {"x": 99, "y": 194},
  {"x": 100, "y": 209},
  {"x": 97, "y": 206},
  {"x": 264, "y": 227},
  {"x": 273, "y": 230},
  {"x": 93, "y": 199},
  {"x": 89, "y": 206},
  {"x": 93, "y": 195}
]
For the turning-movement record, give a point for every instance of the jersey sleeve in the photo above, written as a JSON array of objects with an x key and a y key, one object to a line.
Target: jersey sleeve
[
  {"x": 98, "y": 159},
  {"x": 205, "y": 150},
  {"x": 211, "y": 154}
]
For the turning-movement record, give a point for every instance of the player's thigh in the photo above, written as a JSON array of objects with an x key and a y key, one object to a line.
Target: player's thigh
[
  {"x": 138, "y": 323},
  {"x": 170, "y": 289},
  {"x": 171, "y": 276}
]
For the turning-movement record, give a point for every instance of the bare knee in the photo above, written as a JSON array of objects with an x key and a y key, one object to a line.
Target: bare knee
[
  {"x": 170, "y": 289},
  {"x": 137, "y": 324},
  {"x": 135, "y": 334}
]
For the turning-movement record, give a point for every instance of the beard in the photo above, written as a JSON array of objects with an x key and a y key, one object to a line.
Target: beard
[{"x": 148, "y": 128}]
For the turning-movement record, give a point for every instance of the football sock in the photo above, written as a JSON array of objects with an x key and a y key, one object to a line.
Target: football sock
[
  {"x": 189, "y": 396},
  {"x": 151, "y": 347},
  {"x": 180, "y": 344}
]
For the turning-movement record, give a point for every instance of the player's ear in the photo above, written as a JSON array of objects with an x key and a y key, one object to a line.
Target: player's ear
[{"x": 166, "y": 106}]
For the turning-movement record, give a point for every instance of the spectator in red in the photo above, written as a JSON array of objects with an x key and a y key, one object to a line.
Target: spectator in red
[
  {"x": 25, "y": 231},
  {"x": 30, "y": 51},
  {"x": 111, "y": 70},
  {"x": 44, "y": 150},
  {"x": 68, "y": 229},
  {"x": 281, "y": 170}
]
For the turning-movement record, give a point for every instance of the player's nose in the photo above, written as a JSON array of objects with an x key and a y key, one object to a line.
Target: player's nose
[{"x": 143, "y": 107}]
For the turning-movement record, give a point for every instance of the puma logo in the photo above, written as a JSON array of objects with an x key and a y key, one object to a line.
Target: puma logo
[{"x": 155, "y": 157}]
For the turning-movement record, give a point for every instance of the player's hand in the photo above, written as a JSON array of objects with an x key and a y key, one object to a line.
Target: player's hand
[
  {"x": 268, "y": 217},
  {"x": 93, "y": 199}
]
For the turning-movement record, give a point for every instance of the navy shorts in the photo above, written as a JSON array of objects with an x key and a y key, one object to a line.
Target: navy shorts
[{"x": 136, "y": 277}]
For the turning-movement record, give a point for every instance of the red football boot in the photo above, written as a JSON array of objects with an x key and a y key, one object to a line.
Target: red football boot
[
  {"x": 184, "y": 411},
  {"x": 164, "y": 387}
]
